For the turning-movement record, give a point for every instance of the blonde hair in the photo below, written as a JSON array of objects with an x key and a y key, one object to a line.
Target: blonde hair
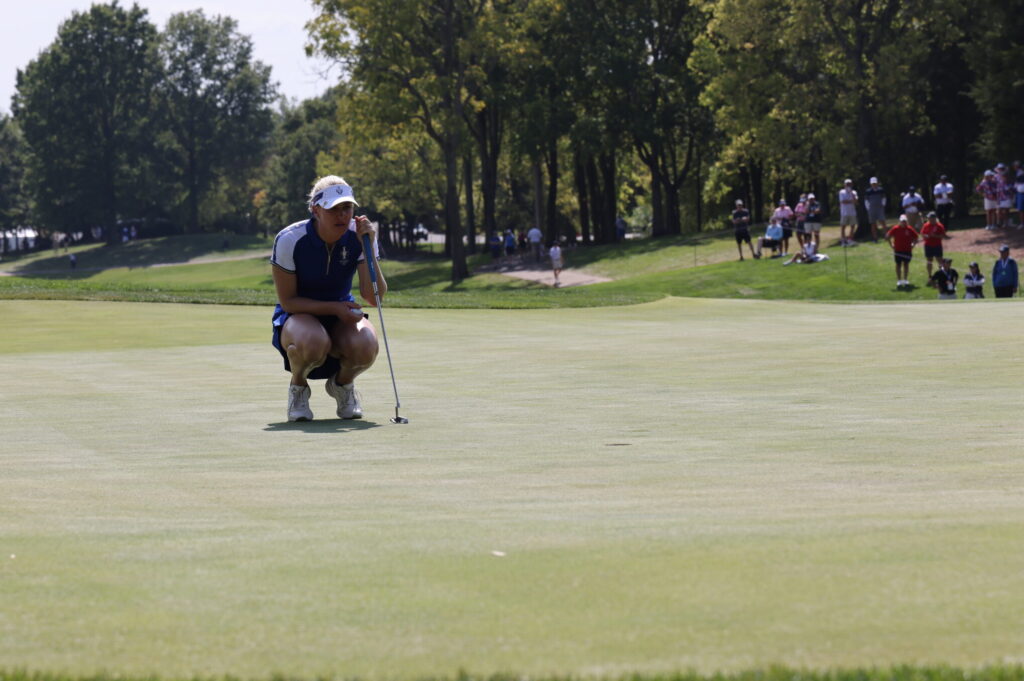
[{"x": 322, "y": 184}]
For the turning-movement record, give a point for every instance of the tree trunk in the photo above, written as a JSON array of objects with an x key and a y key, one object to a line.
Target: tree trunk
[
  {"x": 489, "y": 144},
  {"x": 451, "y": 209},
  {"x": 467, "y": 167},
  {"x": 657, "y": 201},
  {"x": 581, "y": 196},
  {"x": 610, "y": 195},
  {"x": 538, "y": 198},
  {"x": 554, "y": 229},
  {"x": 596, "y": 205}
]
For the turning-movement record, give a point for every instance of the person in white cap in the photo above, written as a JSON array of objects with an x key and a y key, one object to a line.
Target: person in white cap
[
  {"x": 318, "y": 327},
  {"x": 812, "y": 221},
  {"x": 874, "y": 203},
  {"x": 913, "y": 204},
  {"x": 902, "y": 238},
  {"x": 741, "y": 226},
  {"x": 990, "y": 191},
  {"x": 847, "y": 213}
]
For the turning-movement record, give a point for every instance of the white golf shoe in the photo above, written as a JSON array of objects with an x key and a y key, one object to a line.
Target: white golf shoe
[
  {"x": 298, "y": 403},
  {"x": 347, "y": 398}
]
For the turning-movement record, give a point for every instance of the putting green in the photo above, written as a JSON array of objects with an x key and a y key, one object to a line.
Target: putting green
[{"x": 701, "y": 484}]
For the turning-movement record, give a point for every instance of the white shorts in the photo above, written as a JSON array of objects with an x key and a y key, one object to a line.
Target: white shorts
[
  {"x": 556, "y": 263},
  {"x": 991, "y": 204},
  {"x": 848, "y": 219},
  {"x": 812, "y": 227},
  {"x": 1005, "y": 203}
]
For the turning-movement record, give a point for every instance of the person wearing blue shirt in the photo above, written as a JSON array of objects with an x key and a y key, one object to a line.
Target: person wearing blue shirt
[
  {"x": 772, "y": 238},
  {"x": 318, "y": 327},
  {"x": 1004, "y": 274}
]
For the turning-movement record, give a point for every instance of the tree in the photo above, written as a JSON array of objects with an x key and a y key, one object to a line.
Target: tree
[
  {"x": 290, "y": 169},
  {"x": 85, "y": 105},
  {"x": 994, "y": 47},
  {"x": 13, "y": 199},
  {"x": 410, "y": 55},
  {"x": 810, "y": 92},
  {"x": 216, "y": 99}
]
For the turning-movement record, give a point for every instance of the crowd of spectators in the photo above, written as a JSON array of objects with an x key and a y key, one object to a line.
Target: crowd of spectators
[{"x": 1001, "y": 189}]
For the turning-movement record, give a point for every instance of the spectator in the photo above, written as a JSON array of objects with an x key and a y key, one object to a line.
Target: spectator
[
  {"x": 495, "y": 244},
  {"x": 808, "y": 255},
  {"x": 874, "y": 203},
  {"x": 741, "y": 224},
  {"x": 800, "y": 219},
  {"x": 535, "y": 237},
  {"x": 942, "y": 194},
  {"x": 974, "y": 282},
  {"x": 847, "y": 213},
  {"x": 944, "y": 280},
  {"x": 1004, "y": 274},
  {"x": 812, "y": 223},
  {"x": 913, "y": 205},
  {"x": 620, "y": 228},
  {"x": 1018, "y": 189},
  {"x": 933, "y": 232},
  {"x": 989, "y": 190},
  {"x": 510, "y": 243},
  {"x": 73, "y": 260},
  {"x": 785, "y": 215},
  {"x": 555, "y": 253},
  {"x": 772, "y": 239},
  {"x": 902, "y": 239}
]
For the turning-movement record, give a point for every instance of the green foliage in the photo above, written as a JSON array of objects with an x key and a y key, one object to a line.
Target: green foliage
[
  {"x": 215, "y": 98},
  {"x": 300, "y": 134},
  {"x": 998, "y": 88},
  {"x": 14, "y": 203},
  {"x": 86, "y": 106}
]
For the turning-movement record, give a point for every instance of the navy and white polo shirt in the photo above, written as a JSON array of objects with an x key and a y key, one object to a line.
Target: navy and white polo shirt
[{"x": 323, "y": 272}]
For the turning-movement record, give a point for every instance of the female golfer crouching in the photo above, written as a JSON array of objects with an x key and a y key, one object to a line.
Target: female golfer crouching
[{"x": 319, "y": 329}]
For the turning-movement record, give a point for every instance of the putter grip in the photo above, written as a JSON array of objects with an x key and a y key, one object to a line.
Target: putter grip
[{"x": 368, "y": 254}]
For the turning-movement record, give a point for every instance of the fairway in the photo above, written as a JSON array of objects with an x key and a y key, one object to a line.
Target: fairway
[{"x": 686, "y": 484}]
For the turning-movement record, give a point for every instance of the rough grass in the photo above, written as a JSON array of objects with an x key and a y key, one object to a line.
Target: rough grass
[
  {"x": 704, "y": 266},
  {"x": 777, "y": 673}
]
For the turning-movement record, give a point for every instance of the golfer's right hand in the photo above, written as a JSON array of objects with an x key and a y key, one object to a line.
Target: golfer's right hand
[{"x": 349, "y": 311}]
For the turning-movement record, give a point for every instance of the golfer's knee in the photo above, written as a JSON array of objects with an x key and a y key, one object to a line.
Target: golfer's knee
[
  {"x": 306, "y": 352},
  {"x": 362, "y": 349}
]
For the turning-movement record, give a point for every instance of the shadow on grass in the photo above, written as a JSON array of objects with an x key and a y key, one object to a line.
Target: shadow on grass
[
  {"x": 140, "y": 253},
  {"x": 325, "y": 426}
]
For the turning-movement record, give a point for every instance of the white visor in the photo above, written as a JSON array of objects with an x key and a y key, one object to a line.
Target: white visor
[{"x": 333, "y": 195}]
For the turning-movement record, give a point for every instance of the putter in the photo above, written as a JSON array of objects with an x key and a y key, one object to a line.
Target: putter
[{"x": 368, "y": 251}]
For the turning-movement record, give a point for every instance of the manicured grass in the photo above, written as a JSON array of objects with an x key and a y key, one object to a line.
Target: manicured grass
[{"x": 687, "y": 484}]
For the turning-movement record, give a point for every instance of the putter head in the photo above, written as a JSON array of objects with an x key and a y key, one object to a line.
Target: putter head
[{"x": 399, "y": 419}]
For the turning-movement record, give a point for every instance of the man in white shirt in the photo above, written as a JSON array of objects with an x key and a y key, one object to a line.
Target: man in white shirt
[
  {"x": 847, "y": 213},
  {"x": 913, "y": 204},
  {"x": 943, "y": 193},
  {"x": 534, "y": 236}
]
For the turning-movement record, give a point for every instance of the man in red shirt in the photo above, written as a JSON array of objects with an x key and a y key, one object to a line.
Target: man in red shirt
[
  {"x": 902, "y": 238},
  {"x": 933, "y": 232}
]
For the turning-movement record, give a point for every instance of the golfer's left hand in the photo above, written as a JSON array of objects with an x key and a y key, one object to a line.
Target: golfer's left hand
[{"x": 364, "y": 226}]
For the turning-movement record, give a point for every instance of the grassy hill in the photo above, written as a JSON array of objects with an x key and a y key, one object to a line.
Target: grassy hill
[{"x": 235, "y": 270}]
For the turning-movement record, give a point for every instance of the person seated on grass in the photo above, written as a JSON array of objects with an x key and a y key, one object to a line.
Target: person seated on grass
[
  {"x": 772, "y": 239},
  {"x": 807, "y": 255},
  {"x": 974, "y": 282},
  {"x": 944, "y": 280}
]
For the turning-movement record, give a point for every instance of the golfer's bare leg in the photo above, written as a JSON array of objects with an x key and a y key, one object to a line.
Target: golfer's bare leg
[
  {"x": 356, "y": 347},
  {"x": 306, "y": 341}
]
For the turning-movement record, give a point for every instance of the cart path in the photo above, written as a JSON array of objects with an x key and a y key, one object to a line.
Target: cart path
[{"x": 514, "y": 267}]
